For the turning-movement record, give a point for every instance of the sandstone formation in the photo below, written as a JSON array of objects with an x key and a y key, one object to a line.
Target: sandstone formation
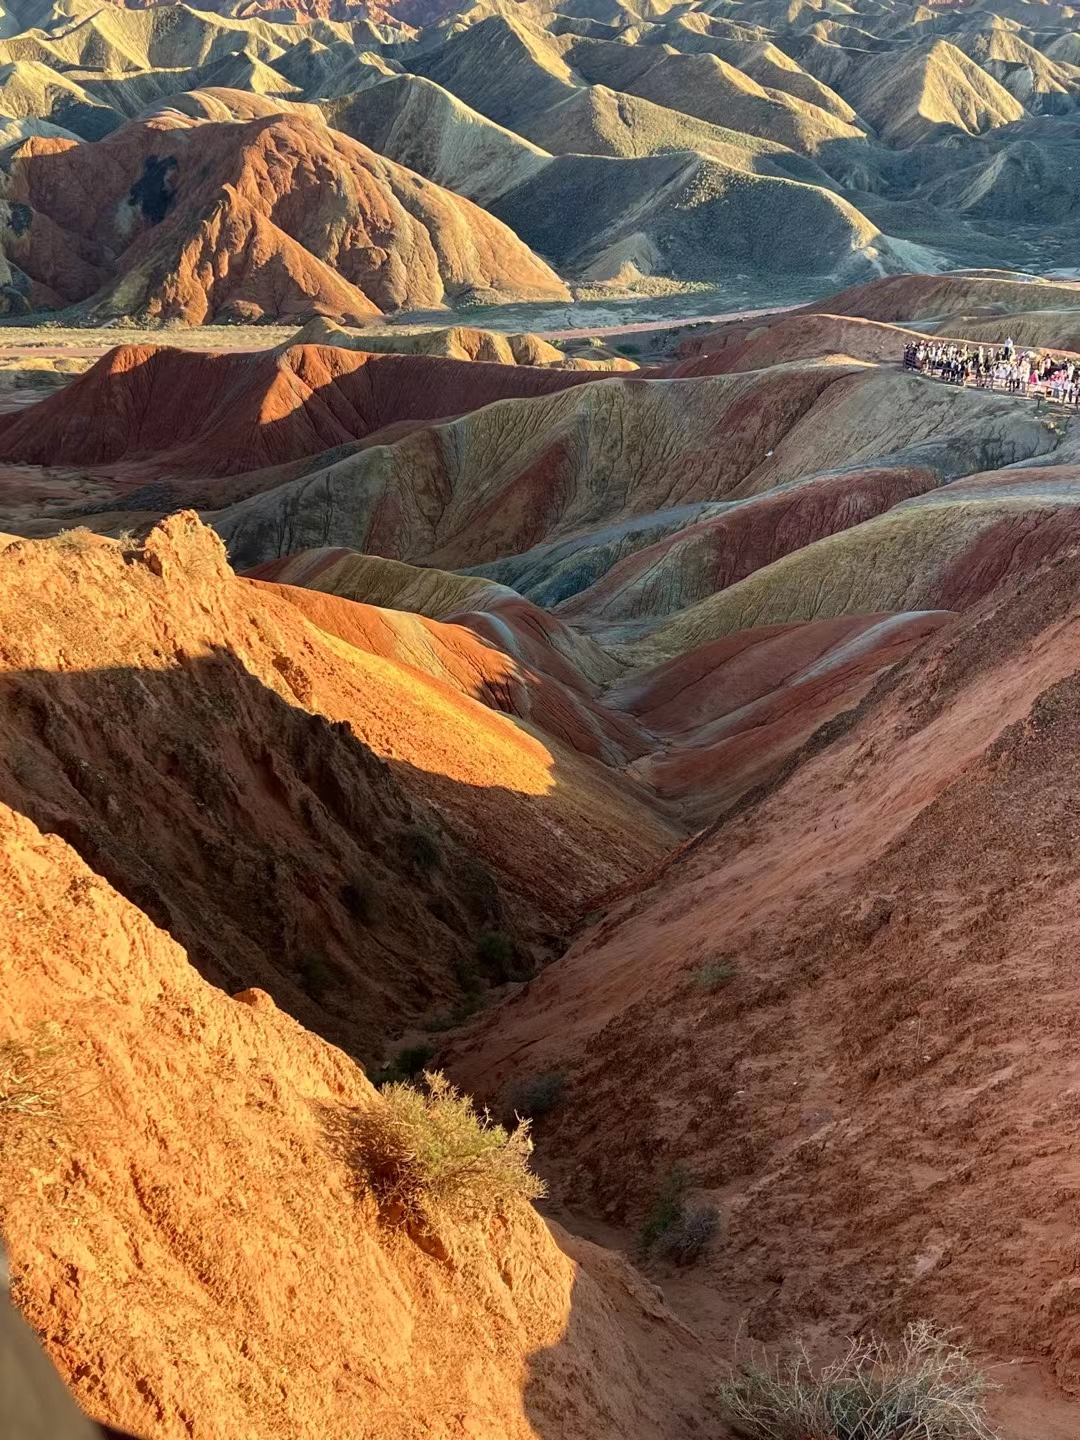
[
  {"x": 200, "y": 1239},
  {"x": 652, "y": 704},
  {"x": 231, "y": 715},
  {"x": 275, "y": 218}
]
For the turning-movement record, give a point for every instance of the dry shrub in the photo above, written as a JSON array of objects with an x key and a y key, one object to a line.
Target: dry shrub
[
  {"x": 925, "y": 1389},
  {"x": 431, "y": 1158},
  {"x": 687, "y": 1239},
  {"x": 38, "y": 1092},
  {"x": 78, "y": 539},
  {"x": 673, "y": 1229},
  {"x": 31, "y": 1079}
]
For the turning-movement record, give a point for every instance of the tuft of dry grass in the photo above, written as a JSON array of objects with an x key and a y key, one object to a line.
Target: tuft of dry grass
[
  {"x": 926, "y": 1388},
  {"x": 39, "y": 1096},
  {"x": 31, "y": 1079},
  {"x": 430, "y": 1157},
  {"x": 79, "y": 539}
]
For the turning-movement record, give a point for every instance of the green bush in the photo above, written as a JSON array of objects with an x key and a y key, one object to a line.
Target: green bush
[
  {"x": 668, "y": 1206},
  {"x": 467, "y": 974},
  {"x": 406, "y": 1064},
  {"x": 536, "y": 1096},
  {"x": 316, "y": 976},
  {"x": 420, "y": 848},
  {"x": 361, "y": 898},
  {"x": 714, "y": 975},
  {"x": 430, "y": 1157},
  {"x": 495, "y": 952},
  {"x": 926, "y": 1389},
  {"x": 674, "y": 1230}
]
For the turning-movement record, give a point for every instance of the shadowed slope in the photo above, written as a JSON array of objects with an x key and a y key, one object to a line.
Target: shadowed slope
[
  {"x": 277, "y": 778},
  {"x": 207, "y": 1184},
  {"x": 685, "y": 214}
]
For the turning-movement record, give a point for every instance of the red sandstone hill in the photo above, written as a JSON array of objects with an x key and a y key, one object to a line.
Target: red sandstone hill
[
  {"x": 272, "y": 218},
  {"x": 883, "y": 1098},
  {"x": 177, "y": 413}
]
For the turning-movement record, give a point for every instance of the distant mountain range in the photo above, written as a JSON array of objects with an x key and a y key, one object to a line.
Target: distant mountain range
[{"x": 630, "y": 148}]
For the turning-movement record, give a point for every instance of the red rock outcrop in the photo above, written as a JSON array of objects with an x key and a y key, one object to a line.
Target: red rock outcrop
[{"x": 889, "y": 1070}]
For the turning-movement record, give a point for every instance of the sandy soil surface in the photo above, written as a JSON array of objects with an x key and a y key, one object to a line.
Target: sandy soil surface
[{"x": 57, "y": 342}]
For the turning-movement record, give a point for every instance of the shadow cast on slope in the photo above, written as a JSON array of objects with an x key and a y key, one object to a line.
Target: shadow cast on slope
[
  {"x": 277, "y": 848},
  {"x": 231, "y": 817}
]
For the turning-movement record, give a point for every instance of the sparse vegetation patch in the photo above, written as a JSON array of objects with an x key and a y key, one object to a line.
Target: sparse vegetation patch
[
  {"x": 714, "y": 975},
  {"x": 536, "y": 1096},
  {"x": 78, "y": 539},
  {"x": 30, "y": 1085},
  {"x": 39, "y": 1090},
  {"x": 420, "y": 848},
  {"x": 674, "y": 1229},
  {"x": 430, "y": 1157},
  {"x": 925, "y": 1389}
]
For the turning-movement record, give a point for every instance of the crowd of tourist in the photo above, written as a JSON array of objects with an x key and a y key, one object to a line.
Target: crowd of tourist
[{"x": 1022, "y": 372}]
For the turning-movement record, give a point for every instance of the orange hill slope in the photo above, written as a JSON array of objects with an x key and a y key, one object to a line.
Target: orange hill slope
[
  {"x": 699, "y": 730},
  {"x": 328, "y": 823},
  {"x": 456, "y": 657},
  {"x": 198, "y": 1252},
  {"x": 271, "y": 218},
  {"x": 890, "y": 1126},
  {"x": 495, "y": 612}
]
